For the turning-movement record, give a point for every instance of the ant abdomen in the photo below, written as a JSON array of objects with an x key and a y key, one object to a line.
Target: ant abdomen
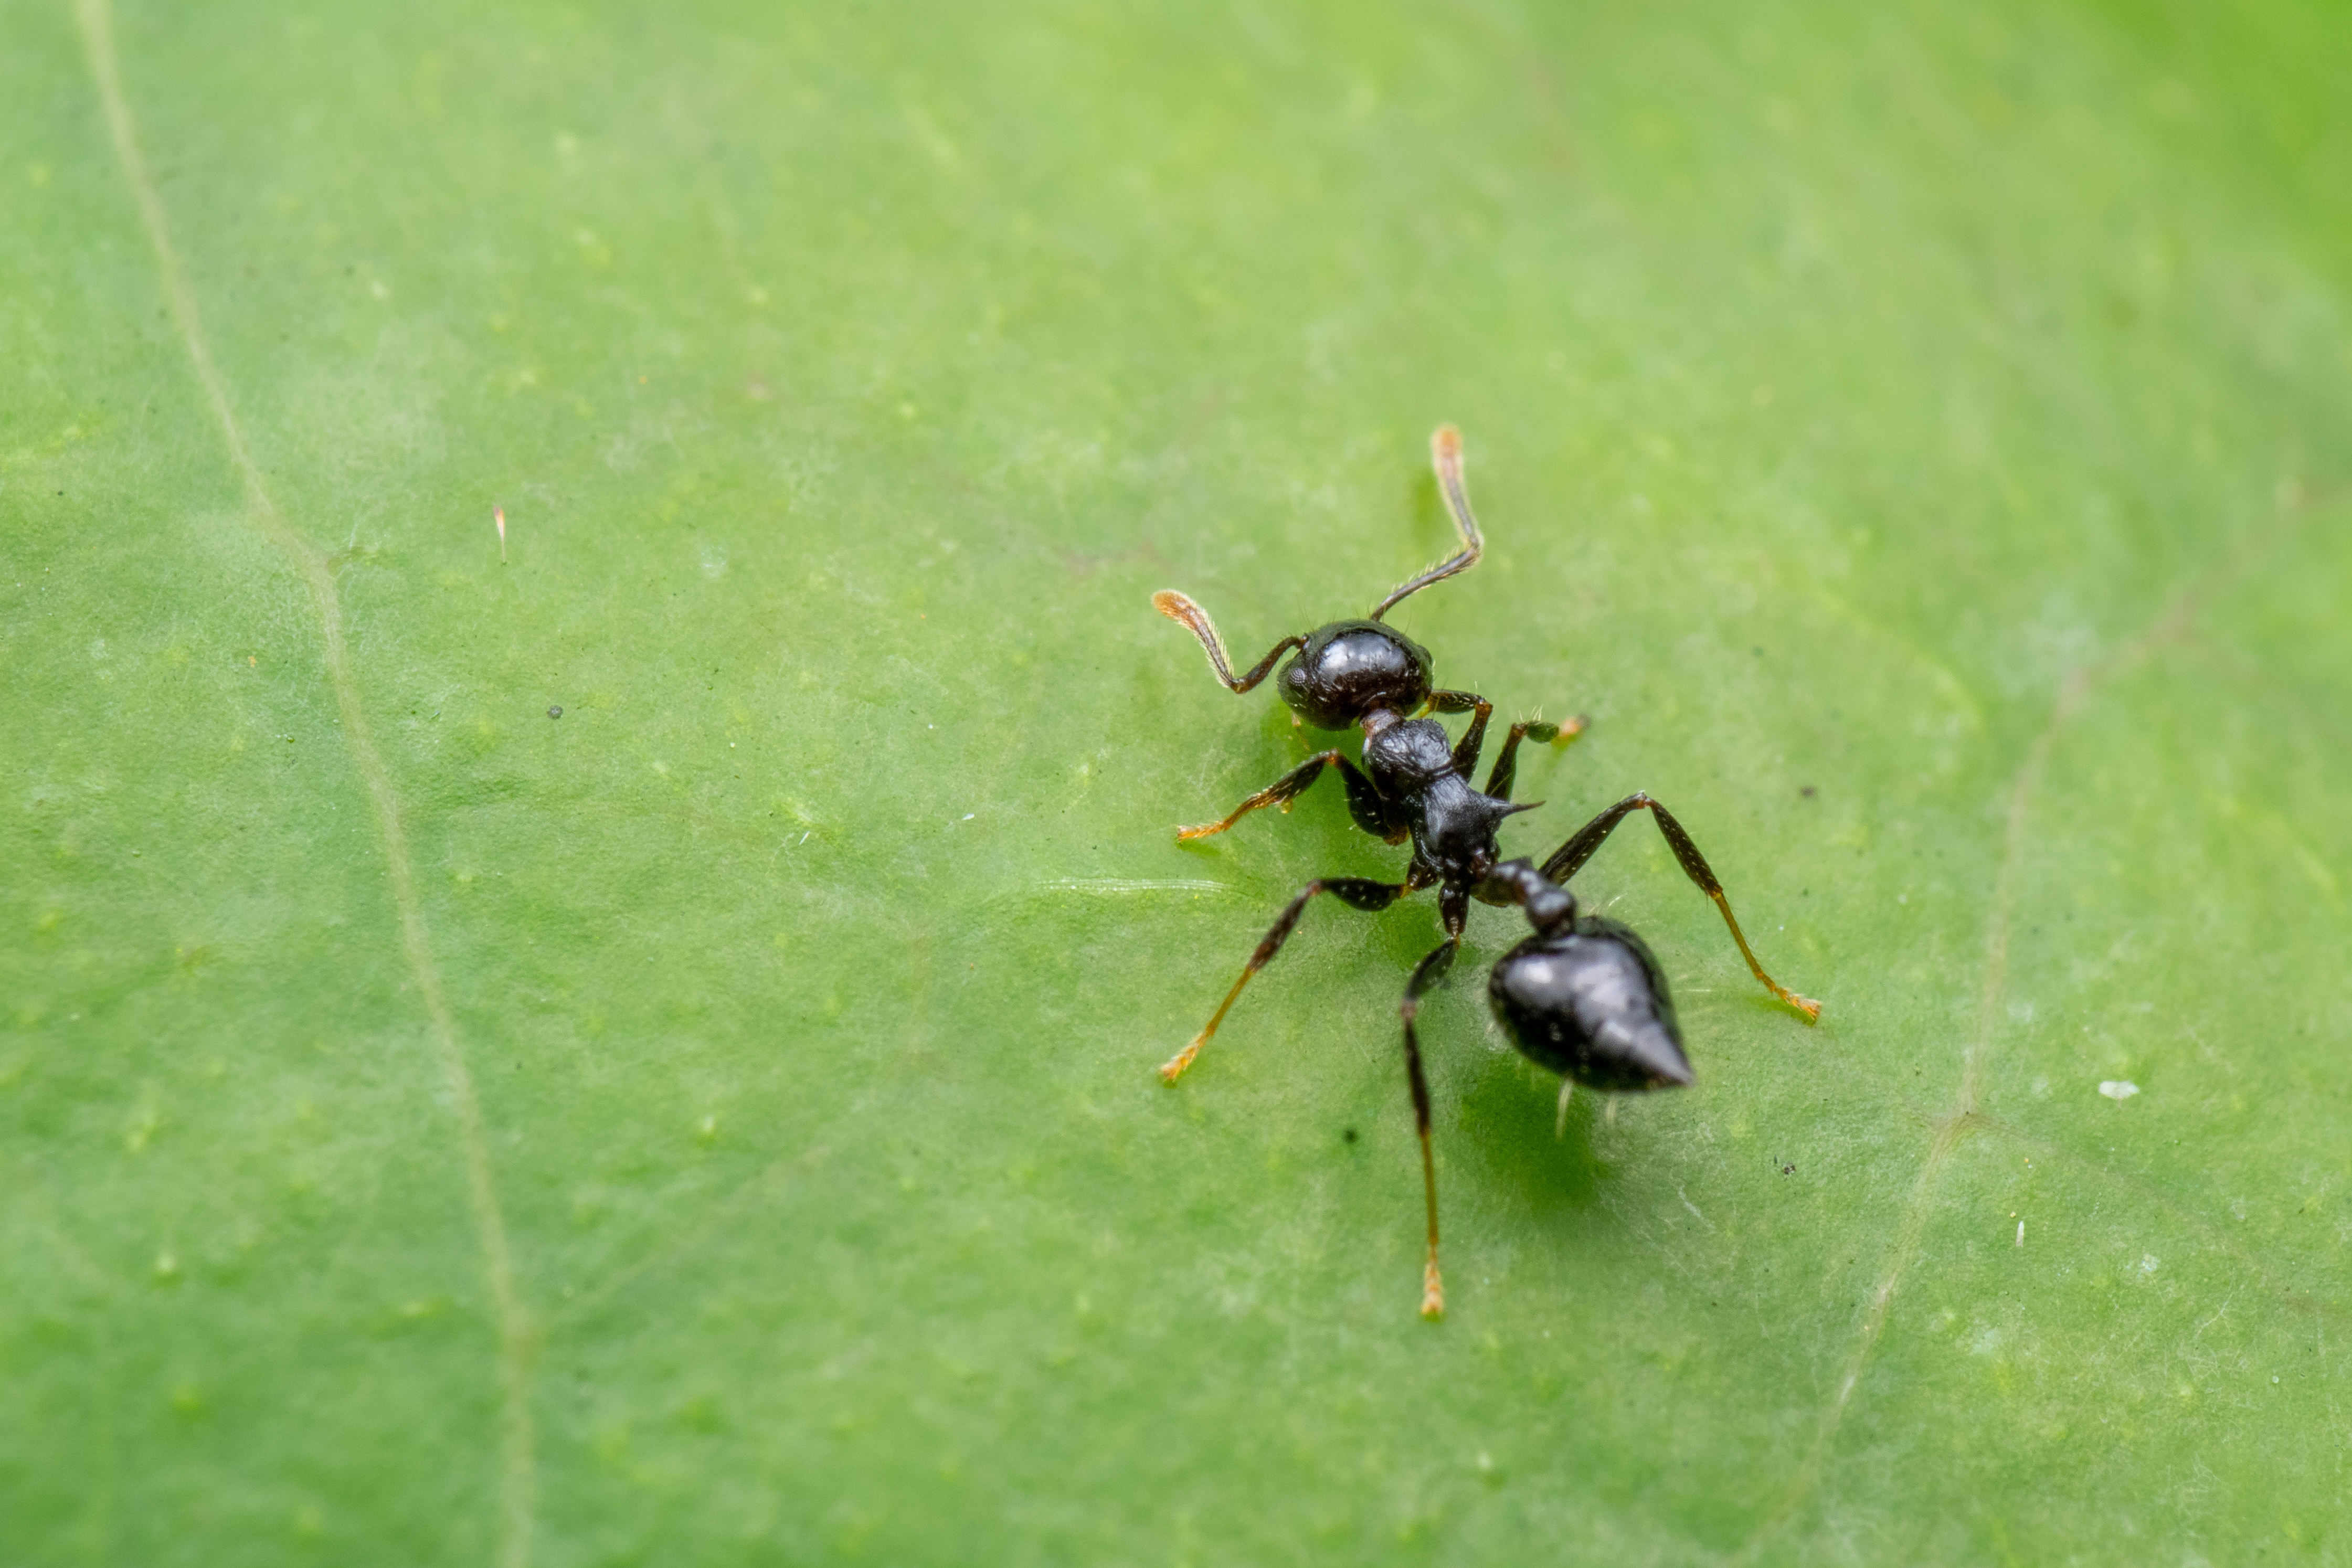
[
  {"x": 1589, "y": 1003},
  {"x": 1350, "y": 668}
]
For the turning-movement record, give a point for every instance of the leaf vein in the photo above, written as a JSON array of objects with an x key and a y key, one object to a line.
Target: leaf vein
[
  {"x": 516, "y": 1340},
  {"x": 2173, "y": 625}
]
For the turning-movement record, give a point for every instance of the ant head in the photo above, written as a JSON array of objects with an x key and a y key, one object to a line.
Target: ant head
[{"x": 1351, "y": 669}]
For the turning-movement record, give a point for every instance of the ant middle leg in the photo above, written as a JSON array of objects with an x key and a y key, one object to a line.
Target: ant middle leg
[
  {"x": 1358, "y": 892},
  {"x": 1180, "y": 609},
  {"x": 1425, "y": 975},
  {"x": 1364, "y": 803},
  {"x": 1570, "y": 855},
  {"x": 1506, "y": 766}
]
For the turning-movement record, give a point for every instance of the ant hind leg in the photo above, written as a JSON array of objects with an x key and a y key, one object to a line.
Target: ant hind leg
[{"x": 1570, "y": 855}]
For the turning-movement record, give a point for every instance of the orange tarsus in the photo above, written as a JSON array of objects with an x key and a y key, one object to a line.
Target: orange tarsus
[
  {"x": 1806, "y": 1006},
  {"x": 1174, "y": 1068}
]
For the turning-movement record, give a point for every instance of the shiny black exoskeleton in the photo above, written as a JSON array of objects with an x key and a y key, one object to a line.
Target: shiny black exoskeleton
[
  {"x": 1583, "y": 996},
  {"x": 1350, "y": 668}
]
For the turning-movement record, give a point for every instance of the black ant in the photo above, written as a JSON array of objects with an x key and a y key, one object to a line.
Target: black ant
[{"x": 1583, "y": 995}]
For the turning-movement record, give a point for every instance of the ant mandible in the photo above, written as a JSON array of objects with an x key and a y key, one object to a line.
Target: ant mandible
[{"x": 1583, "y": 995}]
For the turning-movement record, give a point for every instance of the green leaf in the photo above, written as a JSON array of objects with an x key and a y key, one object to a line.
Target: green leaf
[{"x": 718, "y": 1125}]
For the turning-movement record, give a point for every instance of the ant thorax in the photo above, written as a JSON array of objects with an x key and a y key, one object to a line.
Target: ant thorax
[
  {"x": 1453, "y": 824},
  {"x": 1406, "y": 758}
]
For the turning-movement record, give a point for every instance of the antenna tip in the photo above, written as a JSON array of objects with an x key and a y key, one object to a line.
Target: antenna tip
[{"x": 1446, "y": 443}]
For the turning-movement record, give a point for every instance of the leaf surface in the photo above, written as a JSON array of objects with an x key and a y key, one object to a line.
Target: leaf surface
[{"x": 716, "y": 1123}]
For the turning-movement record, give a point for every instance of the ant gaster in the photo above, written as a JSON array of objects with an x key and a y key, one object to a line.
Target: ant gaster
[{"x": 1583, "y": 995}]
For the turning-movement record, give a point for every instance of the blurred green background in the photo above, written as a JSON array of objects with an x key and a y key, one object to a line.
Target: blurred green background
[{"x": 1917, "y": 435}]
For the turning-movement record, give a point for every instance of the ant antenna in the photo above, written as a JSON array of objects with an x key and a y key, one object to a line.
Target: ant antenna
[
  {"x": 1446, "y": 457},
  {"x": 1177, "y": 607}
]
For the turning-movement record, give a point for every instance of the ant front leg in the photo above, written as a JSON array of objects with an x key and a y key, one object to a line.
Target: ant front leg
[
  {"x": 1364, "y": 802},
  {"x": 1177, "y": 607},
  {"x": 1566, "y": 861},
  {"x": 1473, "y": 738},
  {"x": 1355, "y": 891},
  {"x": 1506, "y": 766},
  {"x": 1425, "y": 975}
]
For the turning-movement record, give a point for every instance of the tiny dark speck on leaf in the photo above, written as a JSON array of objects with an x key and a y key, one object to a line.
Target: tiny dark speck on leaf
[
  {"x": 1787, "y": 1170},
  {"x": 556, "y": 711},
  {"x": 1808, "y": 790},
  {"x": 1349, "y": 1135}
]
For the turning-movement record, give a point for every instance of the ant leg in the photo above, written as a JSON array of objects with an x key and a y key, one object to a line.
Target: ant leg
[
  {"x": 1506, "y": 766},
  {"x": 1569, "y": 857},
  {"x": 1454, "y": 909},
  {"x": 1193, "y": 618},
  {"x": 1445, "y": 458},
  {"x": 1430, "y": 971},
  {"x": 1356, "y": 891},
  {"x": 1364, "y": 802},
  {"x": 1473, "y": 738}
]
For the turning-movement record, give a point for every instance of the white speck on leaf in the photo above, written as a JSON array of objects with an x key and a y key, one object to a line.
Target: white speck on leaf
[
  {"x": 2148, "y": 1263},
  {"x": 2118, "y": 1089}
]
